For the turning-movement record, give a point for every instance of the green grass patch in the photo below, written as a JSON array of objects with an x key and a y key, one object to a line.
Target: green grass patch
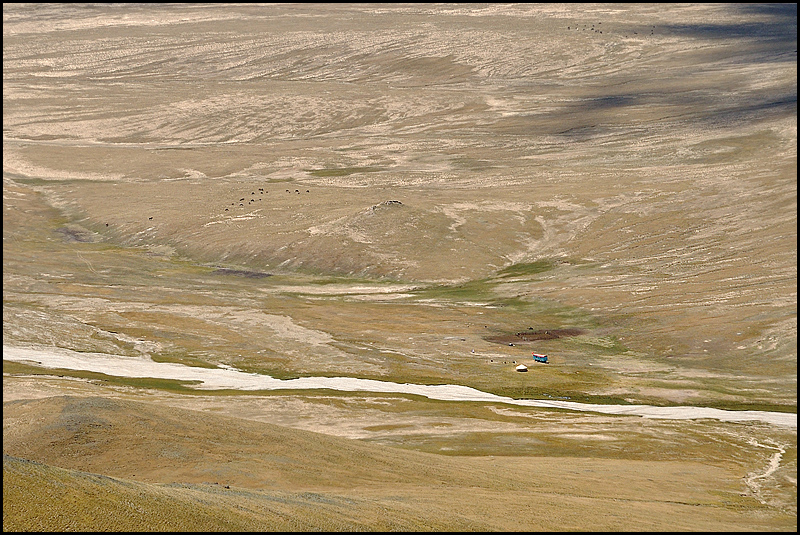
[
  {"x": 170, "y": 385},
  {"x": 527, "y": 268},
  {"x": 281, "y": 373},
  {"x": 606, "y": 346},
  {"x": 325, "y": 279},
  {"x": 472, "y": 291},
  {"x": 556, "y": 394},
  {"x": 387, "y": 427},
  {"x": 177, "y": 357},
  {"x": 34, "y": 181},
  {"x": 740, "y": 406}
]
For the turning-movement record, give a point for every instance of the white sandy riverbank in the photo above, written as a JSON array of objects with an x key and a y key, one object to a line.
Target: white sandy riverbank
[{"x": 231, "y": 378}]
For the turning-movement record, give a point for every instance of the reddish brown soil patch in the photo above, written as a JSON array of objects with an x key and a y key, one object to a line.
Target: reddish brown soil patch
[{"x": 532, "y": 335}]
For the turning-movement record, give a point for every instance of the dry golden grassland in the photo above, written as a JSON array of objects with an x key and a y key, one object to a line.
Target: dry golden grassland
[
  {"x": 230, "y": 473},
  {"x": 419, "y": 194}
]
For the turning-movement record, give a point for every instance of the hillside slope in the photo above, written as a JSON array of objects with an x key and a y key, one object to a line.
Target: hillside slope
[{"x": 101, "y": 464}]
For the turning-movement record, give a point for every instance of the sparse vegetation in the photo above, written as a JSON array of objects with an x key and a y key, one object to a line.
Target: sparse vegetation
[
  {"x": 341, "y": 171},
  {"x": 408, "y": 195},
  {"x": 527, "y": 268},
  {"x": 249, "y": 475}
]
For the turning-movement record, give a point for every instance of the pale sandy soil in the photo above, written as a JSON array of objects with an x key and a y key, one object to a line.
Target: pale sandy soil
[{"x": 359, "y": 195}]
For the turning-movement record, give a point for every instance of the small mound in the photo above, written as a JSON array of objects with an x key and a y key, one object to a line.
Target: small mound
[{"x": 386, "y": 204}]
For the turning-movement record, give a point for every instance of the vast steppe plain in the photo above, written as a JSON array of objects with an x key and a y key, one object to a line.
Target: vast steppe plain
[{"x": 416, "y": 194}]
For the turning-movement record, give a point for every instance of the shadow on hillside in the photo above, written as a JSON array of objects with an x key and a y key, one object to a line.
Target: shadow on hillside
[
  {"x": 777, "y": 27},
  {"x": 770, "y": 38}
]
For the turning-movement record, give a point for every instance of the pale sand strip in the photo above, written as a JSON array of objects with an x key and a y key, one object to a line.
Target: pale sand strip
[{"x": 231, "y": 378}]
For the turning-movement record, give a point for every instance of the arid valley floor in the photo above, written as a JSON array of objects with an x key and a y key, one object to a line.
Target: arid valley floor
[{"x": 407, "y": 194}]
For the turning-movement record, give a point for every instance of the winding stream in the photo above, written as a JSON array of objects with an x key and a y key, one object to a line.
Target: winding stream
[{"x": 231, "y": 378}]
